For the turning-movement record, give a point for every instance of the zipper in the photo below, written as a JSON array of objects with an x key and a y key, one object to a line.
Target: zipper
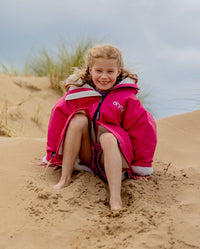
[{"x": 97, "y": 112}]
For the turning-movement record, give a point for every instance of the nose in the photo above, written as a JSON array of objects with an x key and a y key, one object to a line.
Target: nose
[{"x": 104, "y": 75}]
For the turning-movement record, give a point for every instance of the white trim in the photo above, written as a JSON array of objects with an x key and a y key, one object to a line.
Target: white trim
[
  {"x": 127, "y": 81},
  {"x": 143, "y": 171},
  {"x": 44, "y": 160},
  {"x": 82, "y": 95},
  {"x": 87, "y": 86}
]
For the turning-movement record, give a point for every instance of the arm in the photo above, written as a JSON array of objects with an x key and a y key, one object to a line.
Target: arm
[
  {"x": 142, "y": 130},
  {"x": 58, "y": 118}
]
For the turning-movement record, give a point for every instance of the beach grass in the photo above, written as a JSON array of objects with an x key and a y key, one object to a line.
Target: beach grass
[
  {"x": 10, "y": 70},
  {"x": 57, "y": 65}
]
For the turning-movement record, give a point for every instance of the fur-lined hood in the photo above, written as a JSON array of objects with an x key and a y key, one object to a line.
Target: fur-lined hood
[{"x": 86, "y": 90}]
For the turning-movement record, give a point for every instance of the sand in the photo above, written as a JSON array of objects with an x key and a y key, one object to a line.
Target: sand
[{"x": 161, "y": 212}]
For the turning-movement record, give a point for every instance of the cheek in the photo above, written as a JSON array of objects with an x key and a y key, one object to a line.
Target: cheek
[
  {"x": 95, "y": 78},
  {"x": 114, "y": 78}
]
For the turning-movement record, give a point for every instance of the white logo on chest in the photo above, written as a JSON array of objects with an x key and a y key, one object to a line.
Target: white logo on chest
[{"x": 116, "y": 103}]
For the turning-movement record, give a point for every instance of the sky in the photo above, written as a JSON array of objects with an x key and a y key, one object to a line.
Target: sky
[{"x": 159, "y": 39}]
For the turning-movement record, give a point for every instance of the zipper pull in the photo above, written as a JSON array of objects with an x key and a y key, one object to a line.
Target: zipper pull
[{"x": 98, "y": 115}]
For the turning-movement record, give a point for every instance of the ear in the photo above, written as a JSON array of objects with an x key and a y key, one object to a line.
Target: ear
[
  {"x": 89, "y": 69},
  {"x": 119, "y": 71}
]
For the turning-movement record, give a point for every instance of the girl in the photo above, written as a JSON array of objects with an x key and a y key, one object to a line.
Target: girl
[{"x": 101, "y": 121}]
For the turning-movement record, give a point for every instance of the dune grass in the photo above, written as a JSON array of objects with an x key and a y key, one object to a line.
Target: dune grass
[
  {"x": 11, "y": 70},
  {"x": 57, "y": 65}
]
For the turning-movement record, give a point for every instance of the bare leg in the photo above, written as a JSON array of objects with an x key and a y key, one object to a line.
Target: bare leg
[
  {"x": 112, "y": 161},
  {"x": 77, "y": 142}
]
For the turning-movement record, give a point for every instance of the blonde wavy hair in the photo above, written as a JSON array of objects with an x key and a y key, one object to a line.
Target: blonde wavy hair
[{"x": 99, "y": 51}]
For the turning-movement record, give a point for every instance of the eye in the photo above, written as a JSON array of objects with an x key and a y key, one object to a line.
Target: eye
[{"x": 98, "y": 70}]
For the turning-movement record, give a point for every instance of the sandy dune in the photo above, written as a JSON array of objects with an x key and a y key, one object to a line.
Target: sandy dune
[{"x": 162, "y": 212}]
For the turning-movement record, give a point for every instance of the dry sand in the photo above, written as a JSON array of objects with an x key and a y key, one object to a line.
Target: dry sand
[{"x": 162, "y": 212}]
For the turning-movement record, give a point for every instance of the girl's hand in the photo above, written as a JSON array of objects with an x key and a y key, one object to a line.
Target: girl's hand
[{"x": 55, "y": 167}]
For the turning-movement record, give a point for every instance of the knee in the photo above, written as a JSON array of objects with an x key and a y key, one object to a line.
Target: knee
[
  {"x": 108, "y": 140},
  {"x": 78, "y": 121}
]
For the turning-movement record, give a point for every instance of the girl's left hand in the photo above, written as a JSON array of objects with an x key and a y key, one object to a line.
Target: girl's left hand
[{"x": 55, "y": 167}]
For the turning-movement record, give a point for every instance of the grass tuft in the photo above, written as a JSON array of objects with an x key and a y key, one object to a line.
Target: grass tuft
[
  {"x": 58, "y": 65},
  {"x": 11, "y": 70}
]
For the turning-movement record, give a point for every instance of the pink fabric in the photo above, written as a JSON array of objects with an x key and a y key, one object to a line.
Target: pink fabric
[{"x": 120, "y": 113}]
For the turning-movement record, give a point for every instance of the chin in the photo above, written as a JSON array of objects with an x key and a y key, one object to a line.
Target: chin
[{"x": 104, "y": 90}]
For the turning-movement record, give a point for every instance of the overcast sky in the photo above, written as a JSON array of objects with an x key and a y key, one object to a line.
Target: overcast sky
[{"x": 160, "y": 40}]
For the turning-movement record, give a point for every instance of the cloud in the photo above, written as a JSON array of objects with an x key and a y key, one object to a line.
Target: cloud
[{"x": 160, "y": 39}]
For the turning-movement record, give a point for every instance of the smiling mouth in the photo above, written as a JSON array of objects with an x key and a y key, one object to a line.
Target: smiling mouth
[{"x": 104, "y": 82}]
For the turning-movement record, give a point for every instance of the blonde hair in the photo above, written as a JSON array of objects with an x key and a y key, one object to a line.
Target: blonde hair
[{"x": 100, "y": 51}]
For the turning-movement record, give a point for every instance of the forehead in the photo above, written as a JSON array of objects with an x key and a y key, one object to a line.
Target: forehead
[{"x": 104, "y": 63}]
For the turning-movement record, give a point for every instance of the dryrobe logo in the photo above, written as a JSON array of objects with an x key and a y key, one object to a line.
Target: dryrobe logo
[{"x": 116, "y": 103}]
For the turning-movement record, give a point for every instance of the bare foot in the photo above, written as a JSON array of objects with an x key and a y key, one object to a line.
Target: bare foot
[
  {"x": 62, "y": 184},
  {"x": 115, "y": 204}
]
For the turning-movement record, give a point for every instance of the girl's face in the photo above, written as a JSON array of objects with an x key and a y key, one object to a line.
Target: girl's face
[{"x": 104, "y": 73}]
